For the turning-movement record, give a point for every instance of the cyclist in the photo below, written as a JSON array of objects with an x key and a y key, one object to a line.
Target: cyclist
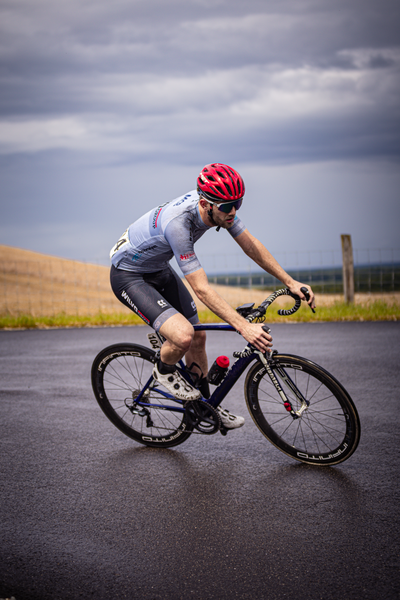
[{"x": 142, "y": 278}]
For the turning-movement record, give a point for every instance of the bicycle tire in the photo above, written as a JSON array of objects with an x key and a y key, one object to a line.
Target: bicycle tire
[
  {"x": 119, "y": 373},
  {"x": 328, "y": 431}
]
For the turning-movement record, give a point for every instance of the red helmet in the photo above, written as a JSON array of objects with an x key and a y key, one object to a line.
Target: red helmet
[{"x": 220, "y": 182}]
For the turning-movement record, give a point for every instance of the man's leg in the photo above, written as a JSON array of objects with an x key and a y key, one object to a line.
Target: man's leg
[
  {"x": 182, "y": 340},
  {"x": 155, "y": 308},
  {"x": 144, "y": 298},
  {"x": 196, "y": 360},
  {"x": 179, "y": 334},
  {"x": 197, "y": 353}
]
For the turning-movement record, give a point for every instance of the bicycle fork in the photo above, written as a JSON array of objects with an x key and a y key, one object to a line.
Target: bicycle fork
[{"x": 296, "y": 414}]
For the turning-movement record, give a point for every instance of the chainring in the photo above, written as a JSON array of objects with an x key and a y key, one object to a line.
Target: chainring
[{"x": 203, "y": 416}]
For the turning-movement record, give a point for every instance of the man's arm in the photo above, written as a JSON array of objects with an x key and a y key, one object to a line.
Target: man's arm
[
  {"x": 252, "y": 332},
  {"x": 264, "y": 259}
]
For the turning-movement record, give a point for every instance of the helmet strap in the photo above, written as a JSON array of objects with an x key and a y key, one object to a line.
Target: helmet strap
[{"x": 210, "y": 214}]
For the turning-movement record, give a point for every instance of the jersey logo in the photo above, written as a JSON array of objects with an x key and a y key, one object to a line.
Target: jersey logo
[
  {"x": 134, "y": 307},
  {"x": 182, "y": 200},
  {"x": 187, "y": 256},
  {"x": 157, "y": 214}
]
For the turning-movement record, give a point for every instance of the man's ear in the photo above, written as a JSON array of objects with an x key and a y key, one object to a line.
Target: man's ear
[{"x": 204, "y": 204}]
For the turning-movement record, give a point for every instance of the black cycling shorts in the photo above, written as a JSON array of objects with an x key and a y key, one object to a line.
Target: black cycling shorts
[{"x": 155, "y": 297}]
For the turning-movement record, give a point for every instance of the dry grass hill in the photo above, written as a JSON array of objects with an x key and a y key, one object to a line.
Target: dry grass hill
[{"x": 41, "y": 285}]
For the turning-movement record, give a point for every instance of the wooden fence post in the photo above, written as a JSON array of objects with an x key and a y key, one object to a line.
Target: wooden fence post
[{"x": 348, "y": 268}]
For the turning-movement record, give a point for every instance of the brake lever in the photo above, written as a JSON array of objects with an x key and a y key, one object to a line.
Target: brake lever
[{"x": 305, "y": 291}]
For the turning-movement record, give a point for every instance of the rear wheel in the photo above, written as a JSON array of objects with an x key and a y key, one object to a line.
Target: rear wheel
[
  {"x": 326, "y": 433},
  {"x": 119, "y": 374}
]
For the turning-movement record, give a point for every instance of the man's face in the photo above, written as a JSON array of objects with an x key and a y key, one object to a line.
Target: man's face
[{"x": 223, "y": 219}]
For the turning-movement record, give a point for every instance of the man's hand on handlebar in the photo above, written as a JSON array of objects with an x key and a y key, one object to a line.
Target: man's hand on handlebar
[
  {"x": 255, "y": 334},
  {"x": 299, "y": 289}
]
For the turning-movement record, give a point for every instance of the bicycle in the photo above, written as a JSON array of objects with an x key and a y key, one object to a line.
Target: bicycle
[{"x": 296, "y": 404}]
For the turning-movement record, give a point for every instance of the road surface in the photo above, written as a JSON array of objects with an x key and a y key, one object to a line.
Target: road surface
[{"x": 88, "y": 513}]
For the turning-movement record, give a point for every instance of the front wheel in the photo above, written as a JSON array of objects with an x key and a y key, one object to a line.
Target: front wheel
[
  {"x": 326, "y": 433},
  {"x": 119, "y": 374}
]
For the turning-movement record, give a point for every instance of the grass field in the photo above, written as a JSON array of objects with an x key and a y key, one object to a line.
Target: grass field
[{"x": 39, "y": 291}]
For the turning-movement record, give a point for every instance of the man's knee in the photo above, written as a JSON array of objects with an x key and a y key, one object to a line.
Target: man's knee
[
  {"x": 179, "y": 332},
  {"x": 185, "y": 338}
]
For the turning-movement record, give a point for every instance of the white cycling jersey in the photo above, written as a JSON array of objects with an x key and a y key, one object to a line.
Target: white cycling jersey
[{"x": 169, "y": 230}]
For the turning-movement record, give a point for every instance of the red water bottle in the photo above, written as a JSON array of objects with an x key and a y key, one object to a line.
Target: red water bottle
[{"x": 218, "y": 370}]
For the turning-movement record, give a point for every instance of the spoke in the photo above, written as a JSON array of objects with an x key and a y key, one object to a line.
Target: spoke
[
  {"x": 298, "y": 428},
  {"x": 327, "y": 430},
  {"x": 270, "y": 396},
  {"x": 324, "y": 424},
  {"x": 287, "y": 428},
  {"x": 283, "y": 418},
  {"x": 126, "y": 366},
  {"x": 113, "y": 376}
]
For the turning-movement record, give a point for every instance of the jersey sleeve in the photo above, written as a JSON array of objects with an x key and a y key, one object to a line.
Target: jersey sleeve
[
  {"x": 237, "y": 228},
  {"x": 182, "y": 245}
]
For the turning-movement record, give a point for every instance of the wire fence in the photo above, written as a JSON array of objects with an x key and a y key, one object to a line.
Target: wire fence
[
  {"x": 40, "y": 285},
  {"x": 375, "y": 271},
  {"x": 367, "y": 279}
]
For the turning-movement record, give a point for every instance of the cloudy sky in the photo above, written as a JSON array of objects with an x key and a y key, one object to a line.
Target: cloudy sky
[{"x": 110, "y": 108}]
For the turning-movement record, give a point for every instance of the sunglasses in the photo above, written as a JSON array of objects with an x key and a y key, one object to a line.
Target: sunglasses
[{"x": 226, "y": 207}]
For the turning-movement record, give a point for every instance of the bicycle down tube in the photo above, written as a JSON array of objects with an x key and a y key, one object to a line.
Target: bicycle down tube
[
  {"x": 235, "y": 371},
  {"x": 241, "y": 364}
]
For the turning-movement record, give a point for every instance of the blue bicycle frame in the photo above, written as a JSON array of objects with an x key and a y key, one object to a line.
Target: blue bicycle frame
[{"x": 235, "y": 371}]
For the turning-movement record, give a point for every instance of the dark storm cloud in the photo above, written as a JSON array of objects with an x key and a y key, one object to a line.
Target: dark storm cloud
[
  {"x": 47, "y": 38},
  {"x": 284, "y": 80}
]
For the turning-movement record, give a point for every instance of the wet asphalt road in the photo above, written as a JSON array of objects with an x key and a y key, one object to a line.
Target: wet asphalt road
[{"x": 88, "y": 513}]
